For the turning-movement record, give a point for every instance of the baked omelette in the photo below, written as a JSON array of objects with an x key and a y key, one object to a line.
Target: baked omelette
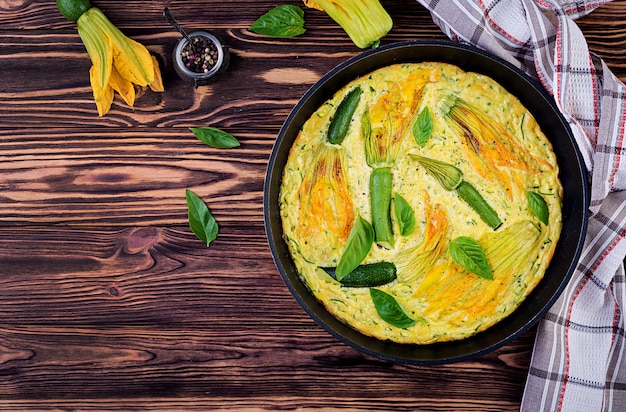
[{"x": 435, "y": 189}]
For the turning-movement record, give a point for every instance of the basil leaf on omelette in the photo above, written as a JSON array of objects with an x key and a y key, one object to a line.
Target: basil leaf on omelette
[
  {"x": 357, "y": 247},
  {"x": 468, "y": 253},
  {"x": 390, "y": 310}
]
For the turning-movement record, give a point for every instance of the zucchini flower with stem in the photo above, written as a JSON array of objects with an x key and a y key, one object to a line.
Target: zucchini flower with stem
[
  {"x": 365, "y": 21},
  {"x": 383, "y": 129},
  {"x": 118, "y": 62},
  {"x": 491, "y": 149},
  {"x": 326, "y": 205},
  {"x": 451, "y": 178}
]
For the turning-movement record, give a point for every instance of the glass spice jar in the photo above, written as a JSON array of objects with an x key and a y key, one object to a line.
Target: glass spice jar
[{"x": 203, "y": 61}]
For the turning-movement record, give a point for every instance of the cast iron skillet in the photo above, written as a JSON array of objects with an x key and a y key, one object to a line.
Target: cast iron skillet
[{"x": 572, "y": 174}]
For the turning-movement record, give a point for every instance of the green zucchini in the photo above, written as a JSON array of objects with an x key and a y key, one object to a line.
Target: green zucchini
[
  {"x": 380, "y": 203},
  {"x": 340, "y": 122},
  {"x": 368, "y": 275},
  {"x": 469, "y": 193},
  {"x": 73, "y": 9}
]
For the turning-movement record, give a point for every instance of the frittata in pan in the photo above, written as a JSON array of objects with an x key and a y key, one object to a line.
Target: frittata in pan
[{"x": 421, "y": 203}]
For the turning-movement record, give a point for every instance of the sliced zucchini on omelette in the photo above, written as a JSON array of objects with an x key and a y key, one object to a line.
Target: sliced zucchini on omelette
[{"x": 436, "y": 160}]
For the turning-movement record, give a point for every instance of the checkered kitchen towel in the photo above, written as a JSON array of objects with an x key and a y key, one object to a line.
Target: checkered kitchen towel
[{"x": 579, "y": 359}]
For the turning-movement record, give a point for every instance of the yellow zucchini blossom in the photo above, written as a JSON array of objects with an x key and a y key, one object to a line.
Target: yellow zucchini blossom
[
  {"x": 327, "y": 210},
  {"x": 118, "y": 62},
  {"x": 365, "y": 21}
]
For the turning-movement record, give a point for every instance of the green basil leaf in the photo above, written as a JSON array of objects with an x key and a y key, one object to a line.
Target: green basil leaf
[
  {"x": 538, "y": 206},
  {"x": 390, "y": 310},
  {"x": 215, "y": 137},
  {"x": 201, "y": 221},
  {"x": 468, "y": 253},
  {"x": 423, "y": 127},
  {"x": 358, "y": 246},
  {"x": 405, "y": 216},
  {"x": 281, "y": 21}
]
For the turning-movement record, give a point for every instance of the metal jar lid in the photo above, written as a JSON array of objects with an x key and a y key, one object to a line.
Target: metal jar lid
[{"x": 201, "y": 78}]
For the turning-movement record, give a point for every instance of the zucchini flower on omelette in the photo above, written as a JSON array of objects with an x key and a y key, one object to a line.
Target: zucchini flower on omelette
[
  {"x": 326, "y": 212},
  {"x": 383, "y": 127},
  {"x": 490, "y": 148},
  {"x": 118, "y": 62},
  {"x": 365, "y": 21}
]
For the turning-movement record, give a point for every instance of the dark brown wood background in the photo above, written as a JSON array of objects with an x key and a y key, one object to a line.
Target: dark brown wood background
[{"x": 107, "y": 300}]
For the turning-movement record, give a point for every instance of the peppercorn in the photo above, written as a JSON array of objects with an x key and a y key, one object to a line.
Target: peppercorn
[{"x": 200, "y": 56}]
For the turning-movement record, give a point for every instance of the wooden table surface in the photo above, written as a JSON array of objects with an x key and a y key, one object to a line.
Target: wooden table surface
[{"x": 108, "y": 300}]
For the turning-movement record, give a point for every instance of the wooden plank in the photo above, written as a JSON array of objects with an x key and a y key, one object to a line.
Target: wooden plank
[
  {"x": 141, "y": 275},
  {"x": 132, "y": 177},
  {"x": 271, "y": 403},
  {"x": 260, "y": 367}
]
